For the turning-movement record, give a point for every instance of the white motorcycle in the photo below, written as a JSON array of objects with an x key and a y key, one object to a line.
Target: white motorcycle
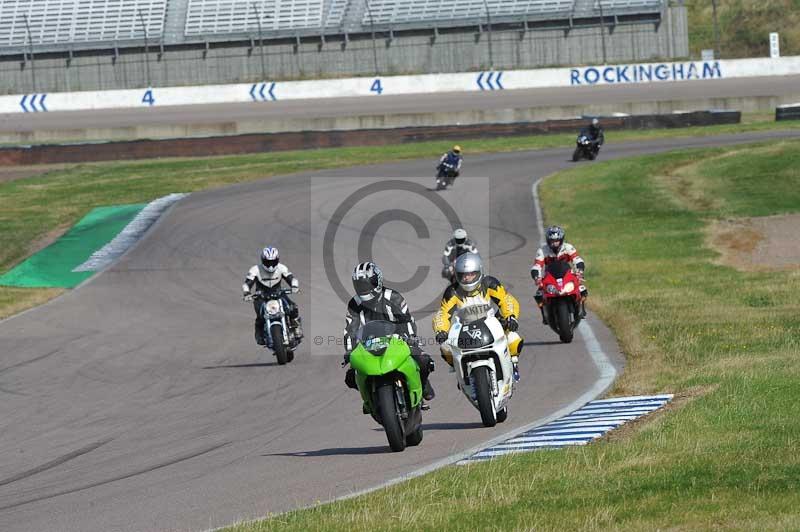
[
  {"x": 280, "y": 336},
  {"x": 482, "y": 361}
]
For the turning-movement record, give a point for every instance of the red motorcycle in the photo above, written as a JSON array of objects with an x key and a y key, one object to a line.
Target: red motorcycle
[{"x": 563, "y": 303}]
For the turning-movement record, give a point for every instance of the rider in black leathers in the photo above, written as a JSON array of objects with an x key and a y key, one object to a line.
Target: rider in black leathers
[
  {"x": 373, "y": 302},
  {"x": 595, "y": 131}
]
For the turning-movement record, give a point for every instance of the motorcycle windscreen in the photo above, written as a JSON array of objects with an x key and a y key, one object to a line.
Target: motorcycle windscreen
[
  {"x": 475, "y": 335},
  {"x": 374, "y": 336},
  {"x": 558, "y": 269}
]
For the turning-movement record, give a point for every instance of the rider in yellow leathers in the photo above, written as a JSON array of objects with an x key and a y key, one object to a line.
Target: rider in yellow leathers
[{"x": 472, "y": 287}]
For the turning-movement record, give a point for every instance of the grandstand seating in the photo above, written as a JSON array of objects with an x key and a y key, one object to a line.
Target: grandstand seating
[
  {"x": 55, "y": 23},
  {"x": 209, "y": 17},
  {"x": 629, "y": 5},
  {"x": 405, "y": 11},
  {"x": 76, "y": 21}
]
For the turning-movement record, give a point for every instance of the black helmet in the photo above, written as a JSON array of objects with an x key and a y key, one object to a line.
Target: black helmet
[
  {"x": 555, "y": 237},
  {"x": 367, "y": 281}
]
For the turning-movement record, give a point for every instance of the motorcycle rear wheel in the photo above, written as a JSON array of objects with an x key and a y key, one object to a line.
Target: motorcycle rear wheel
[
  {"x": 415, "y": 438},
  {"x": 502, "y": 415},
  {"x": 483, "y": 391},
  {"x": 390, "y": 418},
  {"x": 276, "y": 332}
]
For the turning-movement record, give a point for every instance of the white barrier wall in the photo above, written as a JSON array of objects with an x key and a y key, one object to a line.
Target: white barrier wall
[{"x": 375, "y": 87}]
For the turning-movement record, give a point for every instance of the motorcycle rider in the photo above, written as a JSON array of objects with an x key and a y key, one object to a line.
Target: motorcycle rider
[
  {"x": 596, "y": 134},
  {"x": 268, "y": 275},
  {"x": 556, "y": 249},
  {"x": 453, "y": 158},
  {"x": 459, "y": 244},
  {"x": 473, "y": 287},
  {"x": 373, "y": 301}
]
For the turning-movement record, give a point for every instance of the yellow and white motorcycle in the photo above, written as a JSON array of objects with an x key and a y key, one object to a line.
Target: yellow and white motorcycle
[{"x": 482, "y": 361}]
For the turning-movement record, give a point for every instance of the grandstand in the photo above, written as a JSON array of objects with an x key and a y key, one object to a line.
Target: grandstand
[{"x": 58, "y": 25}]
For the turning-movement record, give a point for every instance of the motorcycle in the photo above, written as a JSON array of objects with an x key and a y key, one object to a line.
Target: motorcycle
[
  {"x": 279, "y": 335},
  {"x": 562, "y": 299},
  {"x": 482, "y": 362},
  {"x": 446, "y": 174},
  {"x": 448, "y": 270},
  {"x": 389, "y": 381},
  {"x": 585, "y": 147}
]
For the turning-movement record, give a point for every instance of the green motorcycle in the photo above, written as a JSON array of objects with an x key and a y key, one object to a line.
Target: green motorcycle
[{"x": 389, "y": 381}]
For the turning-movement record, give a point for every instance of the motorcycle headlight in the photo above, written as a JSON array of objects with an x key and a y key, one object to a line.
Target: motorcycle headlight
[
  {"x": 273, "y": 307},
  {"x": 550, "y": 289},
  {"x": 569, "y": 287}
]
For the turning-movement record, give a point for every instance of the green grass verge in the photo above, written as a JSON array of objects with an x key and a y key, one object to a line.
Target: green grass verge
[
  {"x": 35, "y": 210},
  {"x": 726, "y": 454}
]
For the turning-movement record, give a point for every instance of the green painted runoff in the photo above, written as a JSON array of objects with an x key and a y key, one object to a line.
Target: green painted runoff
[{"x": 52, "y": 267}]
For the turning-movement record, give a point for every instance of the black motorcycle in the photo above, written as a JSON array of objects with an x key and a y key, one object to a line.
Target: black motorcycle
[
  {"x": 280, "y": 334},
  {"x": 585, "y": 147},
  {"x": 446, "y": 174}
]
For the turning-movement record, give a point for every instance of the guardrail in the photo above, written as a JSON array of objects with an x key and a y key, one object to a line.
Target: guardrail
[
  {"x": 788, "y": 112},
  {"x": 268, "y": 142},
  {"x": 269, "y": 90}
]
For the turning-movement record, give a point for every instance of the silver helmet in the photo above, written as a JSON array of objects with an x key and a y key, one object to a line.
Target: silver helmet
[{"x": 469, "y": 271}]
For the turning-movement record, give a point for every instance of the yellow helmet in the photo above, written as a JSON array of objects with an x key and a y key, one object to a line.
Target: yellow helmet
[{"x": 456, "y": 149}]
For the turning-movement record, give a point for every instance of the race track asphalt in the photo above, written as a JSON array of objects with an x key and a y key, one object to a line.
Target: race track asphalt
[
  {"x": 139, "y": 401},
  {"x": 412, "y": 103}
]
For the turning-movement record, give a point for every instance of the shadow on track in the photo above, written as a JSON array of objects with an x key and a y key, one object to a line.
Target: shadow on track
[
  {"x": 445, "y": 426},
  {"x": 337, "y": 451},
  {"x": 543, "y": 342},
  {"x": 252, "y": 365},
  {"x": 452, "y": 426}
]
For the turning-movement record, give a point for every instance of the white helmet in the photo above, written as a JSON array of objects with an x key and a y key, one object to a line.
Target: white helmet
[
  {"x": 460, "y": 236},
  {"x": 469, "y": 271},
  {"x": 270, "y": 258}
]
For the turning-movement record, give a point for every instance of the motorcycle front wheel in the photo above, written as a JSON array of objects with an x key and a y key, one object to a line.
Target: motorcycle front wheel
[
  {"x": 563, "y": 315},
  {"x": 483, "y": 391},
  {"x": 390, "y": 418},
  {"x": 576, "y": 155},
  {"x": 276, "y": 332}
]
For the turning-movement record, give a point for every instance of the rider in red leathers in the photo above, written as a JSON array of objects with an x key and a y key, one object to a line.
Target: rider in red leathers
[{"x": 556, "y": 249}]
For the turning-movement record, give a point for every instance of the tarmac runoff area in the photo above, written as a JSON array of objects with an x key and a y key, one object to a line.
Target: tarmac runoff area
[{"x": 139, "y": 402}]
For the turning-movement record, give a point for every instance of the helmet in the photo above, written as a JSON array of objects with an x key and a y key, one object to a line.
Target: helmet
[
  {"x": 460, "y": 236},
  {"x": 367, "y": 280},
  {"x": 555, "y": 237},
  {"x": 457, "y": 149},
  {"x": 270, "y": 258},
  {"x": 469, "y": 271},
  {"x": 595, "y": 122}
]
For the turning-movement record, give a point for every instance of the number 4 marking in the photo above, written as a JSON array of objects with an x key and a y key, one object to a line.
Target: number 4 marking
[
  {"x": 148, "y": 97},
  {"x": 376, "y": 86}
]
